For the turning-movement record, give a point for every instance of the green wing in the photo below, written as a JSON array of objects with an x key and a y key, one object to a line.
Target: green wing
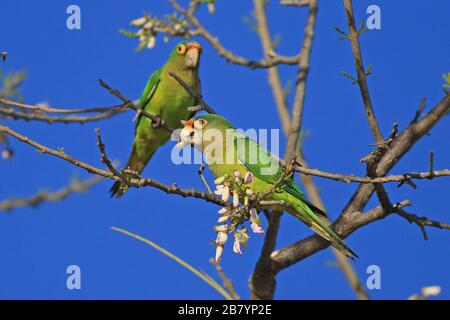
[
  {"x": 256, "y": 159},
  {"x": 265, "y": 166},
  {"x": 150, "y": 88}
]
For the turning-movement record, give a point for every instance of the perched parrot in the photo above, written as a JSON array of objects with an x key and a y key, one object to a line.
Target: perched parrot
[
  {"x": 165, "y": 97},
  {"x": 225, "y": 150}
]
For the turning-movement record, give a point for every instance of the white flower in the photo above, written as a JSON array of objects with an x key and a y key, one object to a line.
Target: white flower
[
  {"x": 151, "y": 42},
  {"x": 255, "y": 221},
  {"x": 138, "y": 22},
  {"x": 237, "y": 174},
  {"x": 222, "y": 219},
  {"x": 240, "y": 238},
  {"x": 224, "y": 210},
  {"x": 219, "y": 180},
  {"x": 219, "y": 250},
  {"x": 237, "y": 246},
  {"x": 226, "y": 193},
  {"x": 222, "y": 238},
  {"x": 211, "y": 8},
  {"x": 254, "y": 218},
  {"x": 148, "y": 25},
  {"x": 235, "y": 198},
  {"x": 256, "y": 228},
  {"x": 248, "y": 178},
  {"x": 219, "y": 189},
  {"x": 249, "y": 191},
  {"x": 221, "y": 228},
  {"x": 431, "y": 291}
]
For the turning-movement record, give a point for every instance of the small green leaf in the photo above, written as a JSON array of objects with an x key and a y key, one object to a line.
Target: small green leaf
[
  {"x": 342, "y": 33},
  {"x": 345, "y": 74},
  {"x": 369, "y": 70}
]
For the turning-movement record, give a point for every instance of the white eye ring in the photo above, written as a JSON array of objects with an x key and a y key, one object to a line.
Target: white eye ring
[{"x": 200, "y": 123}]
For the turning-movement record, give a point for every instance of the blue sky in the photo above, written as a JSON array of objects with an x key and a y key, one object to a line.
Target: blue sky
[{"x": 409, "y": 54}]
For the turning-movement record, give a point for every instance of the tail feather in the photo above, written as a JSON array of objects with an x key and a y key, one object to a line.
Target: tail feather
[
  {"x": 135, "y": 164},
  {"x": 306, "y": 214},
  {"x": 328, "y": 234}
]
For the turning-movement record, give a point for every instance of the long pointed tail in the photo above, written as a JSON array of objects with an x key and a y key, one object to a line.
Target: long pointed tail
[
  {"x": 135, "y": 164},
  {"x": 306, "y": 215}
]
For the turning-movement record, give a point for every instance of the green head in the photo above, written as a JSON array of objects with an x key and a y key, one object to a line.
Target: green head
[{"x": 186, "y": 56}]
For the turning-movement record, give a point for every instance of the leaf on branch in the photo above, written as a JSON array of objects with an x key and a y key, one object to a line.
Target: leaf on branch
[
  {"x": 353, "y": 79},
  {"x": 342, "y": 33},
  {"x": 251, "y": 23},
  {"x": 362, "y": 28},
  {"x": 369, "y": 70},
  {"x": 446, "y": 86}
]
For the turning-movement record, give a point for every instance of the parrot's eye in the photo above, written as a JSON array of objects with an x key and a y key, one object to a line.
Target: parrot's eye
[
  {"x": 181, "y": 49},
  {"x": 200, "y": 123}
]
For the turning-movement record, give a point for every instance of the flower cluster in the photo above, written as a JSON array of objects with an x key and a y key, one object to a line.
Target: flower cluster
[
  {"x": 235, "y": 187},
  {"x": 149, "y": 26}
]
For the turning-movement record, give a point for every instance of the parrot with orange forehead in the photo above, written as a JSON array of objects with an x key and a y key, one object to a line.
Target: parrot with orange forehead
[
  {"x": 163, "y": 96},
  {"x": 227, "y": 152}
]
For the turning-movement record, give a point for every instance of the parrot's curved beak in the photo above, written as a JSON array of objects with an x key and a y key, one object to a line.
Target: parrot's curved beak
[
  {"x": 192, "y": 55},
  {"x": 186, "y": 134}
]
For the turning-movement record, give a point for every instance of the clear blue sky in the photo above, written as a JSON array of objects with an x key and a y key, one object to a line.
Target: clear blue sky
[{"x": 410, "y": 53}]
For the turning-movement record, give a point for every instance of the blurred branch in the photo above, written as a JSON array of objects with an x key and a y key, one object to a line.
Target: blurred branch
[
  {"x": 295, "y": 3},
  {"x": 34, "y": 116},
  {"x": 274, "y": 60},
  {"x": 47, "y": 109},
  {"x": 302, "y": 74},
  {"x": 202, "y": 275},
  {"x": 227, "y": 283},
  {"x": 45, "y": 196}
]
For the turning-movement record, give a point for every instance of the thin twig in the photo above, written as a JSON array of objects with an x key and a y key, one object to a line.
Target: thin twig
[
  {"x": 227, "y": 54},
  {"x": 105, "y": 158},
  {"x": 419, "y": 111},
  {"x": 35, "y": 116},
  {"x": 422, "y": 222},
  {"x": 353, "y": 36},
  {"x": 158, "y": 121},
  {"x": 205, "y": 277},
  {"x": 45, "y": 196},
  {"x": 202, "y": 177},
  {"x": 227, "y": 283},
  {"x": 196, "y": 95},
  {"x": 47, "y": 109}
]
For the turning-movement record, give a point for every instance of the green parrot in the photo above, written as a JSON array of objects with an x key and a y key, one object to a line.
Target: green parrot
[
  {"x": 165, "y": 97},
  {"x": 226, "y": 151}
]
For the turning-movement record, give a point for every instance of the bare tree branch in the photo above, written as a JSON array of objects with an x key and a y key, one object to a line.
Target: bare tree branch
[
  {"x": 362, "y": 75},
  {"x": 227, "y": 283},
  {"x": 392, "y": 178},
  {"x": 44, "y": 196},
  {"x": 228, "y": 55},
  {"x": 34, "y": 116},
  {"x": 156, "y": 120},
  {"x": 349, "y": 221},
  {"x": 47, "y": 109},
  {"x": 300, "y": 91}
]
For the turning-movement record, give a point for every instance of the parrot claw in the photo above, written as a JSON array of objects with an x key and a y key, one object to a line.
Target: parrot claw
[{"x": 157, "y": 123}]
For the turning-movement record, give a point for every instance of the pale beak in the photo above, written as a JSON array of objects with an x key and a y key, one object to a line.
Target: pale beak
[
  {"x": 191, "y": 58},
  {"x": 186, "y": 137}
]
